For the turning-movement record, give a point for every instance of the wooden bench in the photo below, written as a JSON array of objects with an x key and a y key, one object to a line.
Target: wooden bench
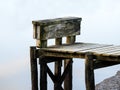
[{"x": 96, "y": 55}]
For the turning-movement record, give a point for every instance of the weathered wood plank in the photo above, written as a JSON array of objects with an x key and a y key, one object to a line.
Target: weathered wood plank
[
  {"x": 58, "y": 41},
  {"x": 97, "y": 48},
  {"x": 43, "y": 67},
  {"x": 107, "y": 50},
  {"x": 41, "y": 43},
  {"x": 43, "y": 74},
  {"x": 57, "y": 28},
  {"x": 77, "y": 47},
  {"x": 34, "y": 31},
  {"x": 89, "y": 72},
  {"x": 34, "y": 70},
  {"x": 61, "y": 54},
  {"x": 101, "y": 63}
]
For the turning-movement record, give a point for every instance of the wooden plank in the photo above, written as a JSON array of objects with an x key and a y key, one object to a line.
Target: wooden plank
[
  {"x": 92, "y": 48},
  {"x": 54, "y": 21},
  {"x": 34, "y": 31},
  {"x": 34, "y": 69},
  {"x": 108, "y": 50},
  {"x": 58, "y": 41},
  {"x": 74, "y": 46},
  {"x": 101, "y": 63},
  {"x": 98, "y": 48},
  {"x": 57, "y": 28},
  {"x": 77, "y": 47},
  {"x": 112, "y": 51},
  {"x": 41, "y": 43},
  {"x": 107, "y": 57},
  {"x": 89, "y": 72},
  {"x": 61, "y": 54}
]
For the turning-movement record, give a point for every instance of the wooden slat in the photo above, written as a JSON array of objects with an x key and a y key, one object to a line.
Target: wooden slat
[
  {"x": 93, "y": 48},
  {"x": 41, "y": 43},
  {"x": 97, "y": 49},
  {"x": 76, "y": 48},
  {"x": 107, "y": 50},
  {"x": 63, "y": 54},
  {"x": 81, "y": 48}
]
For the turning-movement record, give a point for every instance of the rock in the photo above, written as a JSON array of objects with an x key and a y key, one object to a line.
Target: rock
[{"x": 112, "y": 83}]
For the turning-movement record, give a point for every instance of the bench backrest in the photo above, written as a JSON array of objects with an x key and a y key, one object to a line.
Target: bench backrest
[{"x": 56, "y": 28}]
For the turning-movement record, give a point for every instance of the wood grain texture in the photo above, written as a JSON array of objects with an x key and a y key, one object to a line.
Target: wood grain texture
[
  {"x": 101, "y": 63},
  {"x": 34, "y": 69},
  {"x": 57, "y": 28},
  {"x": 68, "y": 79},
  {"x": 57, "y": 68},
  {"x": 78, "y": 50},
  {"x": 89, "y": 72},
  {"x": 43, "y": 75}
]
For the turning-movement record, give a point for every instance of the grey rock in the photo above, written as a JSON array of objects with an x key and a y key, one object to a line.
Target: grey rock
[{"x": 112, "y": 83}]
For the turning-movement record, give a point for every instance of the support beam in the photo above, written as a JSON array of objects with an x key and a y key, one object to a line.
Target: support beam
[
  {"x": 68, "y": 79},
  {"x": 57, "y": 72},
  {"x": 101, "y": 64},
  {"x": 58, "y": 65},
  {"x": 34, "y": 70},
  {"x": 89, "y": 72},
  {"x": 43, "y": 74}
]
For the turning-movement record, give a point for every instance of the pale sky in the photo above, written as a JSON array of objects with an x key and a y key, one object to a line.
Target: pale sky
[{"x": 100, "y": 24}]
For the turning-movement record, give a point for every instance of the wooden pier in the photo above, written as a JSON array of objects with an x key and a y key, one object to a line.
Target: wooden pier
[{"x": 95, "y": 55}]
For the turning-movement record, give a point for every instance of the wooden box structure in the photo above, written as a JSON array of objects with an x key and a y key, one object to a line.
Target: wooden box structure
[
  {"x": 55, "y": 28},
  {"x": 95, "y": 55}
]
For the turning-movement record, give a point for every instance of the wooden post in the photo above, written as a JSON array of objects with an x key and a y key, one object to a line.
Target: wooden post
[
  {"x": 34, "y": 70},
  {"x": 43, "y": 66},
  {"x": 58, "y": 64},
  {"x": 89, "y": 72},
  {"x": 68, "y": 79},
  {"x": 43, "y": 74}
]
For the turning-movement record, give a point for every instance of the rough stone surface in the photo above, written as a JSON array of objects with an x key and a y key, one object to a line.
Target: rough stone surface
[{"x": 112, "y": 83}]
